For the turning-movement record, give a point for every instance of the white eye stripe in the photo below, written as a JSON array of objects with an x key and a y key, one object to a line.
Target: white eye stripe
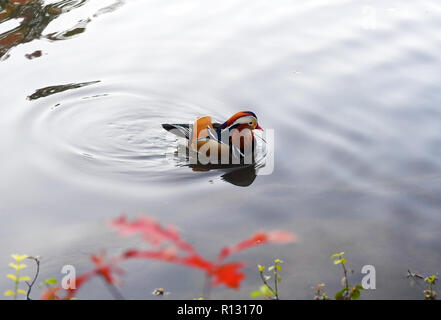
[{"x": 247, "y": 119}]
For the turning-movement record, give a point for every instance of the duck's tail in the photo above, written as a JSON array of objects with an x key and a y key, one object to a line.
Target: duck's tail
[{"x": 181, "y": 130}]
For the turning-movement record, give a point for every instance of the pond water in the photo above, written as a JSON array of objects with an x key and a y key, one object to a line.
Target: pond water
[{"x": 351, "y": 89}]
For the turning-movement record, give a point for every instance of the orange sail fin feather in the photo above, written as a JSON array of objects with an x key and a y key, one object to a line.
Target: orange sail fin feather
[{"x": 200, "y": 129}]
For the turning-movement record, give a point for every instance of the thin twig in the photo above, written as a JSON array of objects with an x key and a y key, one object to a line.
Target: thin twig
[
  {"x": 414, "y": 275},
  {"x": 266, "y": 283},
  {"x": 35, "y": 277},
  {"x": 276, "y": 278},
  {"x": 346, "y": 280}
]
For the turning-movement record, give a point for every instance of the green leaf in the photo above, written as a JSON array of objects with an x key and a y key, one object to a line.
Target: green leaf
[
  {"x": 17, "y": 266},
  {"x": 51, "y": 281},
  {"x": 21, "y": 291},
  {"x": 337, "y": 255},
  {"x": 25, "y": 278},
  {"x": 13, "y": 265},
  {"x": 261, "y": 268},
  {"x": 271, "y": 268},
  {"x": 355, "y": 294},
  {"x": 279, "y": 267},
  {"x": 342, "y": 261},
  {"x": 255, "y": 294},
  {"x": 18, "y": 257},
  {"x": 339, "y": 295},
  {"x": 278, "y": 261},
  {"x": 431, "y": 279},
  {"x": 11, "y": 276},
  {"x": 266, "y": 291},
  {"x": 9, "y": 293}
]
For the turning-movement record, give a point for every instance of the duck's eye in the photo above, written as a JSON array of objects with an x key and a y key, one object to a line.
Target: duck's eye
[{"x": 250, "y": 123}]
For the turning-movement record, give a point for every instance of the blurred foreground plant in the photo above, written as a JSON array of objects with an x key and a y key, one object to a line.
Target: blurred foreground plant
[
  {"x": 429, "y": 292},
  {"x": 349, "y": 292},
  {"x": 16, "y": 277},
  {"x": 168, "y": 246},
  {"x": 320, "y": 293},
  {"x": 266, "y": 290},
  {"x": 51, "y": 291}
]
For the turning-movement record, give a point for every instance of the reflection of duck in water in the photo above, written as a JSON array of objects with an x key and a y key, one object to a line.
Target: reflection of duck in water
[
  {"x": 233, "y": 139},
  {"x": 239, "y": 175},
  {"x": 229, "y": 145},
  {"x": 243, "y": 177}
]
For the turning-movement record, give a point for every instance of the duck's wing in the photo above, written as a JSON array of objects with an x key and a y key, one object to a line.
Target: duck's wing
[{"x": 181, "y": 130}]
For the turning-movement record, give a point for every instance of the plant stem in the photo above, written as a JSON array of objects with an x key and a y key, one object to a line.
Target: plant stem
[
  {"x": 207, "y": 288},
  {"x": 346, "y": 280},
  {"x": 114, "y": 291},
  {"x": 276, "y": 278},
  {"x": 17, "y": 274},
  {"x": 35, "y": 277},
  {"x": 269, "y": 287}
]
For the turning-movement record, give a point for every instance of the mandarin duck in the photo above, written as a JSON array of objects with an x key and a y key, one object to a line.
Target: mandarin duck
[{"x": 234, "y": 137}]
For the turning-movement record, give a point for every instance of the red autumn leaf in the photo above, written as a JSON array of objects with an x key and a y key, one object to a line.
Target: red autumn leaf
[
  {"x": 166, "y": 254},
  {"x": 102, "y": 268},
  {"x": 258, "y": 239},
  {"x": 78, "y": 283},
  {"x": 182, "y": 253},
  {"x": 151, "y": 231},
  {"x": 197, "y": 261},
  {"x": 178, "y": 252},
  {"x": 105, "y": 269},
  {"x": 229, "y": 275},
  {"x": 169, "y": 255},
  {"x": 279, "y": 236},
  {"x": 50, "y": 294}
]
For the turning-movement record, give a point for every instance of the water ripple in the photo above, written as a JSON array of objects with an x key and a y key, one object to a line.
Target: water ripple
[{"x": 103, "y": 133}]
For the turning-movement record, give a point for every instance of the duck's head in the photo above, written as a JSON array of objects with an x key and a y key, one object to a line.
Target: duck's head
[{"x": 242, "y": 120}]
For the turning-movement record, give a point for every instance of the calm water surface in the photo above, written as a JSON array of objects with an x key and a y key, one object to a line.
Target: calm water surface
[{"x": 351, "y": 89}]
